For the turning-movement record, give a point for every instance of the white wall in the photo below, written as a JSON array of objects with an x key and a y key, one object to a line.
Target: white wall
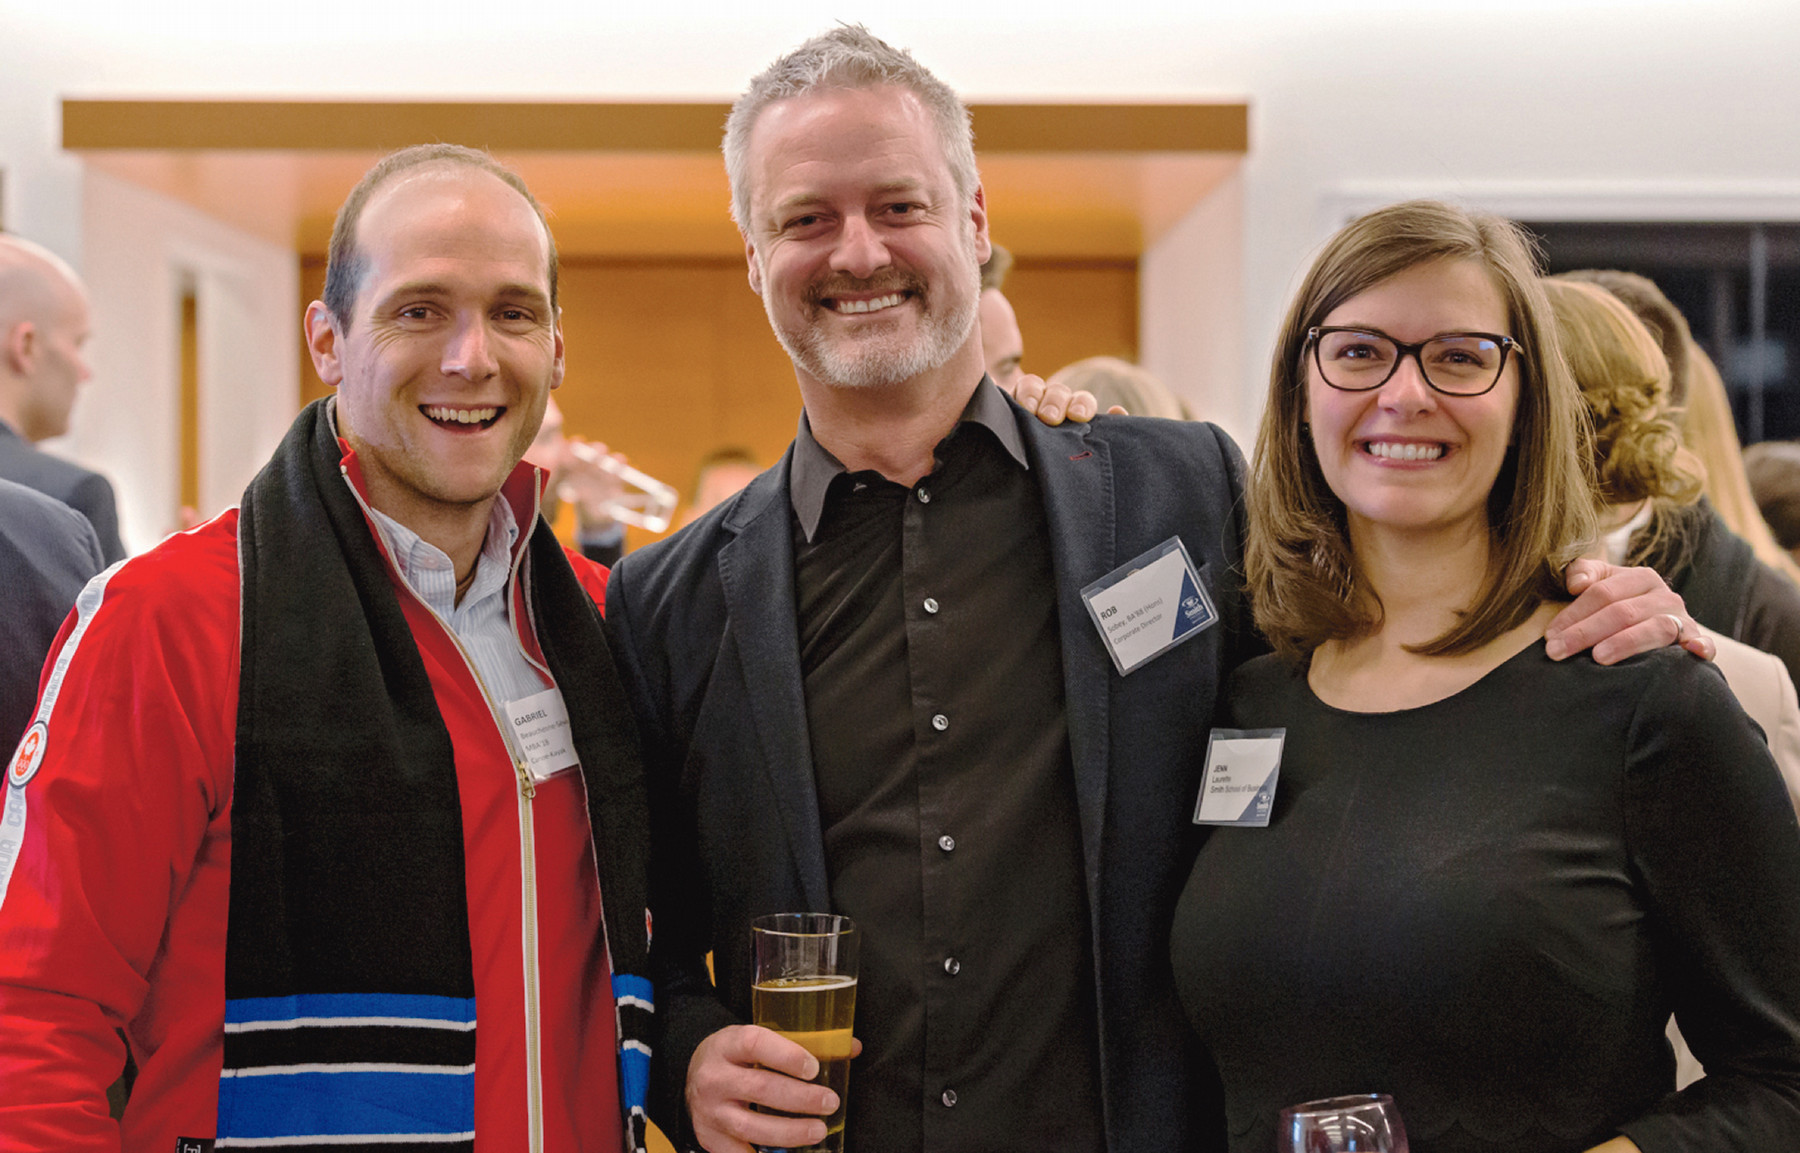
[
  {"x": 1191, "y": 311},
  {"x": 139, "y": 248},
  {"x": 1649, "y": 106}
]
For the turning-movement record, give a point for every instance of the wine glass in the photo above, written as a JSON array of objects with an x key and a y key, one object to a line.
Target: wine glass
[{"x": 1360, "y": 1123}]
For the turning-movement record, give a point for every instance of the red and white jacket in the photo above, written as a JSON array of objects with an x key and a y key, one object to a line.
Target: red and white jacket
[{"x": 114, "y": 913}]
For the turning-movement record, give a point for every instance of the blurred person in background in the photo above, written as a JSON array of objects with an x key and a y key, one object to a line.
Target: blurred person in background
[
  {"x": 47, "y": 552},
  {"x": 1725, "y": 580},
  {"x": 577, "y": 478},
  {"x": 1122, "y": 384},
  {"x": 1002, "y": 345},
  {"x": 1649, "y": 483},
  {"x": 43, "y": 328},
  {"x": 1697, "y": 394},
  {"x": 1774, "y": 471},
  {"x": 722, "y": 472}
]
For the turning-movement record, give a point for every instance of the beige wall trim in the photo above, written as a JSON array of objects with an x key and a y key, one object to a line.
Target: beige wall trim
[{"x": 533, "y": 126}]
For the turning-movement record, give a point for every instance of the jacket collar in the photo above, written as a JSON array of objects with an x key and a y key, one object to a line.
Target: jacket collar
[{"x": 814, "y": 468}]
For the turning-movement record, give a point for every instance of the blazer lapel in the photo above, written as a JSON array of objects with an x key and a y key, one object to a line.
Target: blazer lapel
[
  {"x": 1074, "y": 471},
  {"x": 756, "y": 569}
]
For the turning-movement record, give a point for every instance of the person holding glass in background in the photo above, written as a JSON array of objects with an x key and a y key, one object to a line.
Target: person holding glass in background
[{"x": 1487, "y": 877}]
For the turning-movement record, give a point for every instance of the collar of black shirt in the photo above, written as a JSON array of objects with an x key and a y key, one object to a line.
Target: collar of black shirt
[{"x": 813, "y": 468}]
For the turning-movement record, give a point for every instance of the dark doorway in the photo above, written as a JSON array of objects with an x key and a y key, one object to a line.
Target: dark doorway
[{"x": 1738, "y": 285}]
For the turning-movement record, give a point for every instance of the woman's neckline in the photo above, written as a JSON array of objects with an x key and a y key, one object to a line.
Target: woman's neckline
[{"x": 1376, "y": 691}]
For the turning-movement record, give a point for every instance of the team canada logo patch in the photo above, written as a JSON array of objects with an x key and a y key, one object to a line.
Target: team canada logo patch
[{"x": 30, "y": 755}]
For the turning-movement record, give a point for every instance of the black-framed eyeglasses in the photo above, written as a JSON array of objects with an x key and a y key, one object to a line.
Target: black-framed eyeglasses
[{"x": 1454, "y": 363}]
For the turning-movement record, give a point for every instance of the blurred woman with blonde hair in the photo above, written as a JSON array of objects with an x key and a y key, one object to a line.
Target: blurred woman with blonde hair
[
  {"x": 1647, "y": 471},
  {"x": 1702, "y": 411},
  {"x": 1119, "y": 382}
]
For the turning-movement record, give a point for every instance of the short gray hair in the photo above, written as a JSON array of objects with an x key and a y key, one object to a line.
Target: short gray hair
[{"x": 848, "y": 56}]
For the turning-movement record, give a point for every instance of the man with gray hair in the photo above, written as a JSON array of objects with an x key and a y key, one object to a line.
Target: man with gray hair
[
  {"x": 874, "y": 682},
  {"x": 43, "y": 326},
  {"x": 868, "y": 682}
]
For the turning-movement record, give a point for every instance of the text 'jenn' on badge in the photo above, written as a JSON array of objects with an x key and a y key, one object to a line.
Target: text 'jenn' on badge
[
  {"x": 1149, "y": 605},
  {"x": 540, "y": 724},
  {"x": 1239, "y": 785}
]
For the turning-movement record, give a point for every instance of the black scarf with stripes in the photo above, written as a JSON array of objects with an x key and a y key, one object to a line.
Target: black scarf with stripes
[{"x": 347, "y": 872}]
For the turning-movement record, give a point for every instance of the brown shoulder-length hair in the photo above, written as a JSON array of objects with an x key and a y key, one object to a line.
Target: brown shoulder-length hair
[{"x": 1303, "y": 577}]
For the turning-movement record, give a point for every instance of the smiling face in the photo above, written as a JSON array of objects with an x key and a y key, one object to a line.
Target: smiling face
[
  {"x": 452, "y": 347},
  {"x": 1404, "y": 457},
  {"x": 866, "y": 256}
]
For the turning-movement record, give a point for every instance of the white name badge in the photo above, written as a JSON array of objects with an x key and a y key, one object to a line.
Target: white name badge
[
  {"x": 1239, "y": 785},
  {"x": 540, "y": 724},
  {"x": 1149, "y": 605}
]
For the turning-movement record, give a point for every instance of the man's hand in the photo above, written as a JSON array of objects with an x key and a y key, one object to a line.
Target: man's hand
[
  {"x": 580, "y": 479},
  {"x": 1054, "y": 403},
  {"x": 744, "y": 1064},
  {"x": 1621, "y": 612}
]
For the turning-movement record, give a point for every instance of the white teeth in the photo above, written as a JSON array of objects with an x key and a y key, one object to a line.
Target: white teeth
[
  {"x": 1391, "y": 451},
  {"x": 876, "y": 305},
  {"x": 460, "y": 415}
]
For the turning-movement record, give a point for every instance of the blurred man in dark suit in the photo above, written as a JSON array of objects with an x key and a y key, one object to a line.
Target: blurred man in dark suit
[
  {"x": 43, "y": 326},
  {"x": 47, "y": 552}
]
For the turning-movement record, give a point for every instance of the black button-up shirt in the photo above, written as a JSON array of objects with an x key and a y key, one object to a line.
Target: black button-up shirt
[{"x": 934, "y": 700}]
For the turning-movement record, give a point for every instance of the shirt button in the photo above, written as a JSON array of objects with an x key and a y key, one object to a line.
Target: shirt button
[
  {"x": 949, "y": 1098},
  {"x": 952, "y": 966},
  {"x": 924, "y": 494},
  {"x": 931, "y": 604},
  {"x": 940, "y": 722},
  {"x": 946, "y": 842}
]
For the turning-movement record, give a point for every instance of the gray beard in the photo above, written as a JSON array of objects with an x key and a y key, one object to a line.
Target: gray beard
[{"x": 878, "y": 360}]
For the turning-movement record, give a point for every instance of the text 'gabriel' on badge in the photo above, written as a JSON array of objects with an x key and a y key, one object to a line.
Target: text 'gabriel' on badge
[{"x": 1149, "y": 605}]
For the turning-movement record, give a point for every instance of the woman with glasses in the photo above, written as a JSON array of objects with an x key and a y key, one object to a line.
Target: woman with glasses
[{"x": 1487, "y": 877}]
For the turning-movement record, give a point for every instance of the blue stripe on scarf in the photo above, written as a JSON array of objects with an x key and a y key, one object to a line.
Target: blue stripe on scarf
[
  {"x": 634, "y": 1056},
  {"x": 634, "y": 1078},
  {"x": 418, "y": 1006},
  {"x": 626, "y": 985},
  {"x": 339, "y": 1104}
]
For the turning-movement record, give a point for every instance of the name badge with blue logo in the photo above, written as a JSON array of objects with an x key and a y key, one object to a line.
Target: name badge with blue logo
[
  {"x": 1239, "y": 785},
  {"x": 1148, "y": 606}
]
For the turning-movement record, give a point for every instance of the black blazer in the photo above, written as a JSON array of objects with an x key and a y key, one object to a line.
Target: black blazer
[
  {"x": 88, "y": 493},
  {"x": 47, "y": 553},
  {"x": 706, "y": 640}
]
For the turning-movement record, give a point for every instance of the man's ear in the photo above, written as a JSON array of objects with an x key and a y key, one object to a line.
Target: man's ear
[
  {"x": 750, "y": 259},
  {"x": 21, "y": 348},
  {"x": 559, "y": 367},
  {"x": 322, "y": 342},
  {"x": 984, "y": 247}
]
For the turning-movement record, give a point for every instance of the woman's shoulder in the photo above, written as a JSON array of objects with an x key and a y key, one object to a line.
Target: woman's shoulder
[{"x": 1264, "y": 684}]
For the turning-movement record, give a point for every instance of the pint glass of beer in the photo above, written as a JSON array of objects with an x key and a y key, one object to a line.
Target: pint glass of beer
[{"x": 806, "y": 990}]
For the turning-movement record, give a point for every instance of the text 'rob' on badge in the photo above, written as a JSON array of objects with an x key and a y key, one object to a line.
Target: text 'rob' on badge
[
  {"x": 1239, "y": 785},
  {"x": 1149, "y": 605}
]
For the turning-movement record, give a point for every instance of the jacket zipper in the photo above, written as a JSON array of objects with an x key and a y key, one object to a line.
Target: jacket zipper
[{"x": 534, "y": 1073}]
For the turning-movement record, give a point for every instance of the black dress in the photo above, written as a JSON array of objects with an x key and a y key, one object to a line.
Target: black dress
[{"x": 1488, "y": 907}]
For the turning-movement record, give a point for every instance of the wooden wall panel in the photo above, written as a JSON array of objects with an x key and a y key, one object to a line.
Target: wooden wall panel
[
  {"x": 670, "y": 359},
  {"x": 1073, "y": 309}
]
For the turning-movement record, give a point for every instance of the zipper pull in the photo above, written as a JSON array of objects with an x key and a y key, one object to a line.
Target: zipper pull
[{"x": 527, "y": 789}]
